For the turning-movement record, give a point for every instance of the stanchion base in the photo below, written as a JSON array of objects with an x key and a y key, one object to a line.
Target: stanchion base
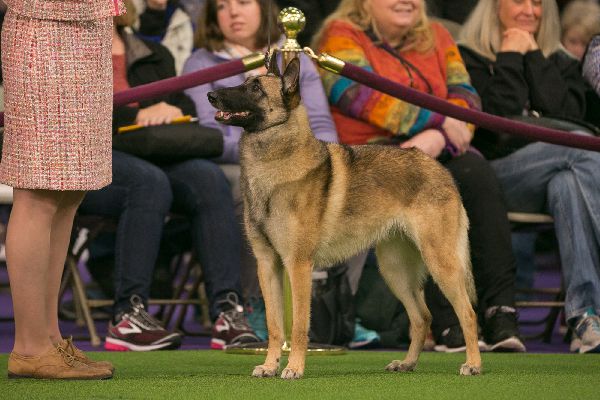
[{"x": 314, "y": 349}]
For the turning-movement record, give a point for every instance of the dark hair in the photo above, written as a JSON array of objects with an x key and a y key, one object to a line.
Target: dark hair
[{"x": 209, "y": 35}]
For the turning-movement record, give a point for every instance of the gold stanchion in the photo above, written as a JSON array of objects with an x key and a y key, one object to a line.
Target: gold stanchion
[{"x": 292, "y": 21}]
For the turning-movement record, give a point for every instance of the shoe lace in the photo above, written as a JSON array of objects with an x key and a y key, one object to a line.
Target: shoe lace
[
  {"x": 592, "y": 322},
  {"x": 141, "y": 316},
  {"x": 235, "y": 315},
  {"x": 68, "y": 358}
]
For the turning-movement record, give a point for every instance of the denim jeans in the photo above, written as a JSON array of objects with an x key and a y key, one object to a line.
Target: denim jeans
[
  {"x": 564, "y": 182},
  {"x": 202, "y": 193},
  {"x": 141, "y": 195}
]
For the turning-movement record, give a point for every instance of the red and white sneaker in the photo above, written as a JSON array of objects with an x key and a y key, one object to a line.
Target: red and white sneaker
[
  {"x": 139, "y": 331},
  {"x": 231, "y": 327}
]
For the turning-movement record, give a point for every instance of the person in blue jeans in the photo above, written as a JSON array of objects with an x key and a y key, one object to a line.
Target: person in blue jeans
[
  {"x": 140, "y": 197},
  {"x": 522, "y": 69}
]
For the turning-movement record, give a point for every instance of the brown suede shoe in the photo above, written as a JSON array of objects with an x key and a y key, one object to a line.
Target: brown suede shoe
[
  {"x": 80, "y": 356},
  {"x": 54, "y": 364}
]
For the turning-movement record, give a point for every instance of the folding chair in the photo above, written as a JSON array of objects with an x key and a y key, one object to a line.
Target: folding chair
[
  {"x": 531, "y": 222},
  {"x": 188, "y": 290}
]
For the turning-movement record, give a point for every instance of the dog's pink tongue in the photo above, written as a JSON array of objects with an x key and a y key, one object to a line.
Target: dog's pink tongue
[{"x": 223, "y": 115}]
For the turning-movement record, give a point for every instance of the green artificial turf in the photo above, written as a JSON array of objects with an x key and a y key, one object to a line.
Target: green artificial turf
[{"x": 356, "y": 375}]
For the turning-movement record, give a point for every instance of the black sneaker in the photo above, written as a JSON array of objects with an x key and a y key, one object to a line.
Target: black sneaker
[
  {"x": 231, "y": 327},
  {"x": 137, "y": 330},
  {"x": 501, "y": 330},
  {"x": 451, "y": 340}
]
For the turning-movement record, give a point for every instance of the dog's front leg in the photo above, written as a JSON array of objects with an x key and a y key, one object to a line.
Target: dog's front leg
[
  {"x": 270, "y": 277},
  {"x": 301, "y": 280}
]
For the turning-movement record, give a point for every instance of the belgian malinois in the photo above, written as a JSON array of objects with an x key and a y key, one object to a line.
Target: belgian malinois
[{"x": 308, "y": 203}]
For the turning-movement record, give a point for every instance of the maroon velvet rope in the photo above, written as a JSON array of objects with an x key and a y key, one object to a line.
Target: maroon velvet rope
[
  {"x": 478, "y": 118},
  {"x": 488, "y": 121},
  {"x": 165, "y": 86}
]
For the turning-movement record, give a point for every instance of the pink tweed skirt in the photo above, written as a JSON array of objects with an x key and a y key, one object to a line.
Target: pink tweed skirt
[{"x": 58, "y": 103}]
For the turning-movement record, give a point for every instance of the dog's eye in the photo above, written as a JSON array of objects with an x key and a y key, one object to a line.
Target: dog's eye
[{"x": 255, "y": 87}]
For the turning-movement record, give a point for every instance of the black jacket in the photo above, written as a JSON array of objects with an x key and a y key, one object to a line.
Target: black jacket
[
  {"x": 148, "y": 62},
  {"x": 550, "y": 86}
]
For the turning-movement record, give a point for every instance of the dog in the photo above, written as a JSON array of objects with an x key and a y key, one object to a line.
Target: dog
[{"x": 308, "y": 203}]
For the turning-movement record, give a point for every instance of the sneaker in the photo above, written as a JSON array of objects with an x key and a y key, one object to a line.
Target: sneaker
[
  {"x": 139, "y": 331},
  {"x": 451, "y": 340},
  {"x": 587, "y": 330},
  {"x": 501, "y": 330},
  {"x": 231, "y": 327},
  {"x": 364, "y": 338},
  {"x": 257, "y": 319}
]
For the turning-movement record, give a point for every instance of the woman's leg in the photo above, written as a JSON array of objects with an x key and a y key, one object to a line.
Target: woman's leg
[
  {"x": 491, "y": 251},
  {"x": 201, "y": 191},
  {"x": 28, "y": 251},
  {"x": 564, "y": 181},
  {"x": 60, "y": 236}
]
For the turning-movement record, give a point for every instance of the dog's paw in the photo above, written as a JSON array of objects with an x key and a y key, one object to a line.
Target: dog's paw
[
  {"x": 469, "y": 370},
  {"x": 263, "y": 371},
  {"x": 401, "y": 366},
  {"x": 291, "y": 373}
]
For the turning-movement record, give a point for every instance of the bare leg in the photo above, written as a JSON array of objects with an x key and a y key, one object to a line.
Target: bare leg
[
  {"x": 62, "y": 225},
  {"x": 28, "y": 252}
]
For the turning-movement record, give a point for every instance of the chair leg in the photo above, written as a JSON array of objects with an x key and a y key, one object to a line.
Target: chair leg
[
  {"x": 552, "y": 317},
  {"x": 81, "y": 297}
]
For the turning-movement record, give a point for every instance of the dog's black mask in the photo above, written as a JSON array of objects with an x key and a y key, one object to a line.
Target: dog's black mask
[{"x": 260, "y": 102}]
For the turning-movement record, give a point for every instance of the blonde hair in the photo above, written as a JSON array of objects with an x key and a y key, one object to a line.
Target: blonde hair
[
  {"x": 356, "y": 12},
  {"x": 584, "y": 16},
  {"x": 482, "y": 32},
  {"x": 129, "y": 18}
]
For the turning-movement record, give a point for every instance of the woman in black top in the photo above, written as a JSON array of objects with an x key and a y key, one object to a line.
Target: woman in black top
[{"x": 513, "y": 54}]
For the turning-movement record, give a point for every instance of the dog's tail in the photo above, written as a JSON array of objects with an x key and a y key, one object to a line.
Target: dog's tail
[{"x": 465, "y": 256}]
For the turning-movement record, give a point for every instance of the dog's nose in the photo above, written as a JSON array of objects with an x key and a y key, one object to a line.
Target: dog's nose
[{"x": 212, "y": 97}]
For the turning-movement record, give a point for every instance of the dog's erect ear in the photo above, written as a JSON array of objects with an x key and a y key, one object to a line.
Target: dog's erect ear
[
  {"x": 273, "y": 67},
  {"x": 291, "y": 77}
]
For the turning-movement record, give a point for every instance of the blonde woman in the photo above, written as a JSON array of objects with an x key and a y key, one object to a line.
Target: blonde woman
[
  {"x": 580, "y": 21},
  {"x": 513, "y": 53},
  {"x": 57, "y": 144}
]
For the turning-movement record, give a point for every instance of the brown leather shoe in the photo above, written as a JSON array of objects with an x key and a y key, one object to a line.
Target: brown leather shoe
[
  {"x": 80, "y": 356},
  {"x": 54, "y": 364}
]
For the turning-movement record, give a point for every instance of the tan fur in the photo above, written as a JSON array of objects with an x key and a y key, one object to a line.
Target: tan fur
[{"x": 308, "y": 203}]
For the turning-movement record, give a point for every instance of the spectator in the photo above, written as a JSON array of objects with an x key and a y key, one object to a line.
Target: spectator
[
  {"x": 229, "y": 29},
  {"x": 164, "y": 21},
  {"x": 591, "y": 64},
  {"x": 396, "y": 40},
  {"x": 512, "y": 51},
  {"x": 140, "y": 196},
  {"x": 579, "y": 22}
]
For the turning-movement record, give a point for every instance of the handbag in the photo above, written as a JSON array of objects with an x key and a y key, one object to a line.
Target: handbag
[
  {"x": 171, "y": 142},
  {"x": 495, "y": 145}
]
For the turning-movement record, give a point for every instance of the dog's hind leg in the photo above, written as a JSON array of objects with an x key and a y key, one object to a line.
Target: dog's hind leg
[
  {"x": 444, "y": 247},
  {"x": 270, "y": 277},
  {"x": 403, "y": 269}
]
